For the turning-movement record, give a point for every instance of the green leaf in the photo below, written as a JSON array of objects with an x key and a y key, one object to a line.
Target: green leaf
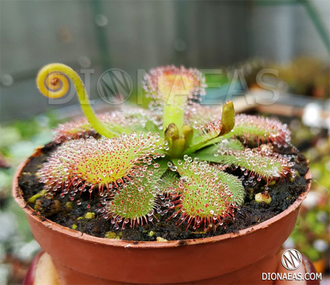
[
  {"x": 133, "y": 202},
  {"x": 214, "y": 130},
  {"x": 259, "y": 129},
  {"x": 210, "y": 150},
  {"x": 120, "y": 129},
  {"x": 163, "y": 167},
  {"x": 228, "y": 118},
  {"x": 207, "y": 193},
  {"x": 151, "y": 127},
  {"x": 235, "y": 186},
  {"x": 167, "y": 183},
  {"x": 253, "y": 160},
  {"x": 223, "y": 145},
  {"x": 136, "y": 200}
]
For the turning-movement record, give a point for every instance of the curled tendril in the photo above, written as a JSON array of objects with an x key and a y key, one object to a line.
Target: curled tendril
[
  {"x": 53, "y": 81},
  {"x": 54, "y": 84}
]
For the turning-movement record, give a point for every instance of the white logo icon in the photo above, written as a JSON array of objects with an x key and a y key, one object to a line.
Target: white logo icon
[
  {"x": 291, "y": 259},
  {"x": 114, "y": 86}
]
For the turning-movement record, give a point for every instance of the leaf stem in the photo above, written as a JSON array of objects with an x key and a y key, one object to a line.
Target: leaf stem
[{"x": 53, "y": 82}]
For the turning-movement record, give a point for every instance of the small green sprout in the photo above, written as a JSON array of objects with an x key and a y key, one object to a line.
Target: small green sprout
[
  {"x": 263, "y": 197},
  {"x": 151, "y": 234},
  {"x": 160, "y": 239},
  {"x": 89, "y": 216},
  {"x": 40, "y": 194},
  {"x": 110, "y": 235}
]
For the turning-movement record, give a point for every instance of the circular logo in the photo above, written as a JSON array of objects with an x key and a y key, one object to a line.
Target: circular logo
[
  {"x": 291, "y": 259},
  {"x": 114, "y": 86}
]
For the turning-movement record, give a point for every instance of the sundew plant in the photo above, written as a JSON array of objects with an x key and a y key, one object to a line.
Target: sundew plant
[{"x": 174, "y": 158}]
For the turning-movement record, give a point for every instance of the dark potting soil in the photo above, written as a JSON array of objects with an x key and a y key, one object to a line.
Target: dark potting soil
[{"x": 89, "y": 220}]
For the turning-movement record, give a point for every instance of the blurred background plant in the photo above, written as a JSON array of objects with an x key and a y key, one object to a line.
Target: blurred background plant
[
  {"x": 234, "y": 40},
  {"x": 311, "y": 235},
  {"x": 18, "y": 140}
]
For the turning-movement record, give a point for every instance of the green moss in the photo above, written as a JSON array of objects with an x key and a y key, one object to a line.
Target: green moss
[
  {"x": 110, "y": 235},
  {"x": 89, "y": 216},
  {"x": 33, "y": 199},
  {"x": 151, "y": 234},
  {"x": 260, "y": 197},
  {"x": 160, "y": 239},
  {"x": 68, "y": 206}
]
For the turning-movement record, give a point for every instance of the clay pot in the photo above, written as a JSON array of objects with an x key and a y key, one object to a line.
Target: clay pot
[{"x": 231, "y": 258}]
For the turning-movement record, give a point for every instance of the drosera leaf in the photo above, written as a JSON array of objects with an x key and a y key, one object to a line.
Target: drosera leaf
[
  {"x": 139, "y": 119},
  {"x": 197, "y": 115},
  {"x": 72, "y": 130},
  {"x": 128, "y": 121},
  {"x": 135, "y": 202},
  {"x": 188, "y": 134},
  {"x": 173, "y": 88},
  {"x": 253, "y": 160},
  {"x": 257, "y": 130},
  {"x": 178, "y": 140},
  {"x": 228, "y": 118},
  {"x": 222, "y": 145},
  {"x": 162, "y": 166},
  {"x": 151, "y": 127},
  {"x": 168, "y": 182},
  {"x": 215, "y": 129},
  {"x": 235, "y": 186},
  {"x": 203, "y": 197},
  {"x": 172, "y": 133},
  {"x": 103, "y": 162},
  {"x": 260, "y": 130}
]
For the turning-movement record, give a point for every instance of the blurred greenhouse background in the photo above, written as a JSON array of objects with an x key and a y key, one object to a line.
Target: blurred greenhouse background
[
  {"x": 291, "y": 36},
  {"x": 132, "y": 35}
]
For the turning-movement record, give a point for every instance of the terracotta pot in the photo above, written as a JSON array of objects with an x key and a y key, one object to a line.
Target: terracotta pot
[{"x": 231, "y": 258}]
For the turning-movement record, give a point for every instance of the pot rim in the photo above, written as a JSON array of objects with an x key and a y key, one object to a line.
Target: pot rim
[{"x": 17, "y": 194}]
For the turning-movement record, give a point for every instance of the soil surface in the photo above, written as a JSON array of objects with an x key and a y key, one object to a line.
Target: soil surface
[{"x": 89, "y": 220}]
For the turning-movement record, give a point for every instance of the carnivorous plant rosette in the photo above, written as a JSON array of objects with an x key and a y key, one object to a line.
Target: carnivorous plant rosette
[{"x": 172, "y": 158}]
